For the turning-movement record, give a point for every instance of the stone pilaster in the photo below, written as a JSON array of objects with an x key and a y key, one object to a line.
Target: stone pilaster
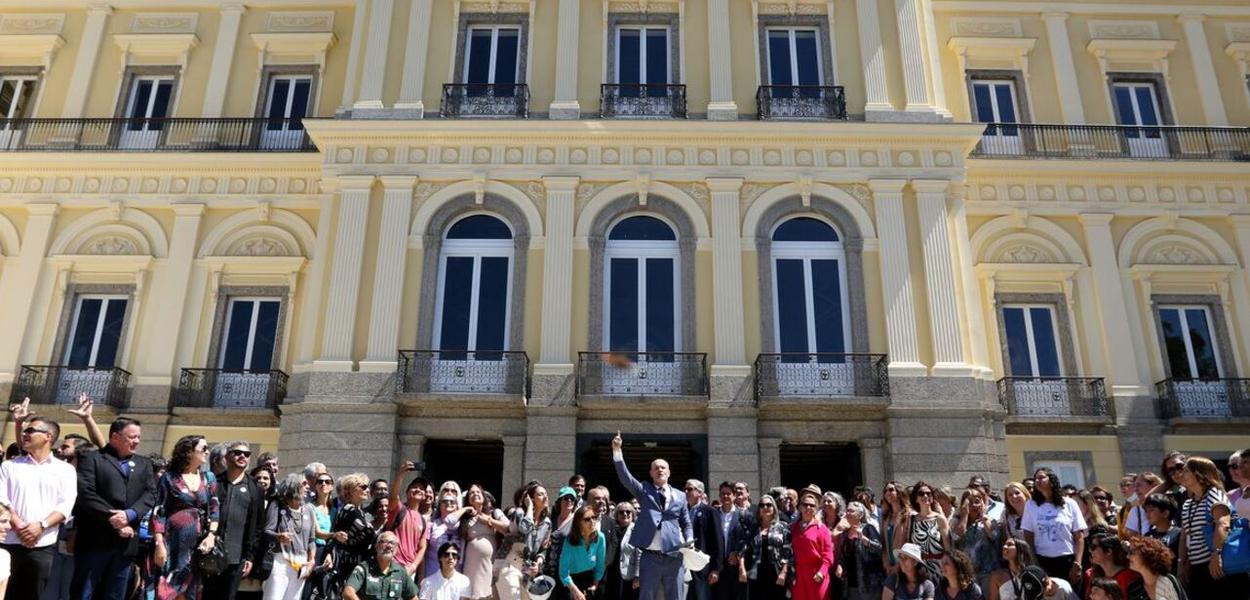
[
  {"x": 727, "y": 272},
  {"x": 513, "y": 462},
  {"x": 944, "y": 313},
  {"x": 565, "y": 104},
  {"x": 223, "y": 58},
  {"x": 553, "y": 375},
  {"x": 1204, "y": 69},
  {"x": 85, "y": 61},
  {"x": 721, "y": 105},
  {"x": 900, "y": 305},
  {"x": 376, "y": 46},
  {"x": 734, "y": 448},
  {"x": 350, "y": 424},
  {"x": 973, "y": 306},
  {"x": 19, "y": 282},
  {"x": 353, "y": 55},
  {"x": 1065, "y": 68},
  {"x": 922, "y": 105},
  {"x": 872, "y": 455},
  {"x": 876, "y": 92},
  {"x": 388, "y": 281},
  {"x": 311, "y": 302},
  {"x": 550, "y": 443},
  {"x": 411, "y": 102},
  {"x": 349, "y": 242},
  {"x": 770, "y": 465}
]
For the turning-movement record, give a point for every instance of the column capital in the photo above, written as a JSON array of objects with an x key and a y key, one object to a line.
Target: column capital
[
  {"x": 233, "y": 6},
  {"x": 561, "y": 183},
  {"x": 1240, "y": 220},
  {"x": 1055, "y": 16},
  {"x": 43, "y": 210},
  {"x": 724, "y": 184},
  {"x": 930, "y": 186},
  {"x": 1190, "y": 17},
  {"x": 397, "y": 182},
  {"x": 886, "y": 186},
  {"x": 1096, "y": 219},
  {"x": 100, "y": 8},
  {"x": 352, "y": 183},
  {"x": 188, "y": 209}
]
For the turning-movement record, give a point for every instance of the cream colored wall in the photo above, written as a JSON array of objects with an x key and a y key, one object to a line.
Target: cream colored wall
[{"x": 1103, "y": 449}]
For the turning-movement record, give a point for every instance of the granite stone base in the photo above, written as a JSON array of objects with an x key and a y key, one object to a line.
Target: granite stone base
[
  {"x": 553, "y": 390},
  {"x": 347, "y": 437},
  {"x": 1141, "y": 446},
  {"x": 733, "y": 446},
  {"x": 944, "y": 430},
  {"x": 550, "y": 444}
]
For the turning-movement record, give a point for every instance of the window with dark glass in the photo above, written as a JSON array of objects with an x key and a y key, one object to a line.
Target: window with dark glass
[
  {"x": 492, "y": 58},
  {"x": 809, "y": 283},
  {"x": 96, "y": 331},
  {"x": 1137, "y": 105},
  {"x": 16, "y": 92},
  {"x": 250, "y": 334},
  {"x": 994, "y": 101},
  {"x": 642, "y": 280},
  {"x": 1032, "y": 341},
  {"x": 473, "y": 290},
  {"x": 1189, "y": 338},
  {"x": 642, "y": 57},
  {"x": 794, "y": 57}
]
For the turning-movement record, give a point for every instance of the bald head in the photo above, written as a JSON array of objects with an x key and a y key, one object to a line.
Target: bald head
[{"x": 659, "y": 472}]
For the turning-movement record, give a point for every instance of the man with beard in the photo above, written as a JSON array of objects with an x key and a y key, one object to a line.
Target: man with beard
[
  {"x": 383, "y": 578},
  {"x": 242, "y": 521}
]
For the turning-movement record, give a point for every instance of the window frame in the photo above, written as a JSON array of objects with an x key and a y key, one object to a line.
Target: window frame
[
  {"x": 794, "y": 63},
  {"x": 477, "y": 249},
  {"x": 643, "y": 28},
  {"x": 807, "y": 251},
  {"x": 28, "y": 79},
  {"x": 495, "y": 28},
  {"x": 250, "y": 343},
  {"x": 1031, "y": 340},
  {"x": 1015, "y": 100},
  {"x": 72, "y": 332},
  {"x": 1216, "y": 345},
  {"x": 1065, "y": 465},
  {"x": 641, "y": 250},
  {"x": 1162, "y": 98}
]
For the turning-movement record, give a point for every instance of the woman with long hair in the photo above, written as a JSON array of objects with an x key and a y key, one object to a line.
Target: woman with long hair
[
  {"x": 927, "y": 527},
  {"x": 561, "y": 527},
  {"x": 1171, "y": 468},
  {"x": 291, "y": 529},
  {"x": 1054, "y": 526},
  {"x": 959, "y": 578},
  {"x": 1015, "y": 496},
  {"x": 859, "y": 553},
  {"x": 479, "y": 524},
  {"x": 1206, "y": 509},
  {"x": 323, "y": 506},
  {"x": 1106, "y": 552},
  {"x": 766, "y": 562},
  {"x": 832, "y": 512},
  {"x": 442, "y": 528},
  {"x": 352, "y": 542},
  {"x": 1153, "y": 561},
  {"x": 1090, "y": 510},
  {"x": 894, "y": 504},
  {"x": 186, "y": 496},
  {"x": 1018, "y": 554},
  {"x": 584, "y": 556},
  {"x": 534, "y": 527},
  {"x": 252, "y": 587},
  {"x": 912, "y": 581},
  {"x": 978, "y": 535}
]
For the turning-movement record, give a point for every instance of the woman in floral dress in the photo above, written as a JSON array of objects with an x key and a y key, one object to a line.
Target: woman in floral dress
[{"x": 185, "y": 496}]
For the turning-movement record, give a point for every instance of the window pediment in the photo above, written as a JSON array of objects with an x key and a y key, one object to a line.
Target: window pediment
[
  {"x": 30, "y": 49},
  {"x": 1131, "y": 54},
  {"x": 156, "y": 47},
  {"x": 294, "y": 48},
  {"x": 980, "y": 52}
]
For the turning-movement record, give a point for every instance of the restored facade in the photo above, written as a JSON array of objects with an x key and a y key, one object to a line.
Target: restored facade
[{"x": 781, "y": 241}]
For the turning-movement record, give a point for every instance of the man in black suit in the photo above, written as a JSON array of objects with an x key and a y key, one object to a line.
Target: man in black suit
[
  {"x": 706, "y": 524},
  {"x": 242, "y": 522},
  {"x": 733, "y": 526},
  {"x": 116, "y": 488}
]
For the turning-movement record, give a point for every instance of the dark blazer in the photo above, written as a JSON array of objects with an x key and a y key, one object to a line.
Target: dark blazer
[
  {"x": 254, "y": 542},
  {"x": 707, "y": 536},
  {"x": 103, "y": 489},
  {"x": 741, "y": 527},
  {"x": 657, "y": 511}
]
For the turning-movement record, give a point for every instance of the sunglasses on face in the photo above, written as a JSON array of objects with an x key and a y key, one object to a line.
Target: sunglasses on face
[
  {"x": 588, "y": 519},
  {"x": 768, "y": 506},
  {"x": 34, "y": 430},
  {"x": 243, "y": 453},
  {"x": 451, "y": 555},
  {"x": 924, "y": 494},
  {"x": 808, "y": 505},
  {"x": 1175, "y": 468},
  {"x": 325, "y": 481}
]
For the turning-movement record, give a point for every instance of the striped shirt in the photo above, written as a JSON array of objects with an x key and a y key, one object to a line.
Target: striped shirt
[{"x": 1196, "y": 518}]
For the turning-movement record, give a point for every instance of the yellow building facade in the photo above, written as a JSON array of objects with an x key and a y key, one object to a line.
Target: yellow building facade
[{"x": 833, "y": 241}]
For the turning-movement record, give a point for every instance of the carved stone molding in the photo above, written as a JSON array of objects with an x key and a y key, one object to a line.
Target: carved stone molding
[
  {"x": 300, "y": 21},
  {"x": 986, "y": 27},
  {"x": 30, "y": 24},
  {"x": 164, "y": 22},
  {"x": 1124, "y": 30}
]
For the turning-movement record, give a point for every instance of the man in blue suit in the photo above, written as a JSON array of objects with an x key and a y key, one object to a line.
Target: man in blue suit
[{"x": 662, "y": 528}]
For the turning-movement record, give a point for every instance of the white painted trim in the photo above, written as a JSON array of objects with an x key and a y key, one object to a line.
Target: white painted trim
[
  {"x": 1031, "y": 340},
  {"x": 1188, "y": 339}
]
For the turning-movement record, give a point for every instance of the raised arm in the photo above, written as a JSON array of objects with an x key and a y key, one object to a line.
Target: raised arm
[
  {"x": 622, "y": 471},
  {"x": 93, "y": 429}
]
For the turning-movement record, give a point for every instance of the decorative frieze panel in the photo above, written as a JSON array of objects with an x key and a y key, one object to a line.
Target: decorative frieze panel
[
  {"x": 643, "y": 7},
  {"x": 1124, "y": 30},
  {"x": 494, "y": 7},
  {"x": 93, "y": 183},
  {"x": 1005, "y": 27},
  {"x": 164, "y": 22},
  {"x": 32, "y": 24},
  {"x": 793, "y": 8},
  {"x": 300, "y": 21},
  {"x": 1110, "y": 193},
  {"x": 1238, "y": 32}
]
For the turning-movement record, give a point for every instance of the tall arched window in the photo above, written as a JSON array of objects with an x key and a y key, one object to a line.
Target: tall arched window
[
  {"x": 474, "y": 276},
  {"x": 641, "y": 299}
]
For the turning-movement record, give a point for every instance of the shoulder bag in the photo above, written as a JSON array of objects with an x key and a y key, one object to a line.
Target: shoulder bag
[
  {"x": 213, "y": 562},
  {"x": 1235, "y": 556}
]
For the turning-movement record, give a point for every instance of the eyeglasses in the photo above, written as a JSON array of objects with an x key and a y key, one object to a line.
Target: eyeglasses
[
  {"x": 1176, "y": 468},
  {"x": 768, "y": 506},
  {"x": 451, "y": 555},
  {"x": 588, "y": 519},
  {"x": 34, "y": 430},
  {"x": 243, "y": 453},
  {"x": 924, "y": 494},
  {"x": 808, "y": 505},
  {"x": 325, "y": 482}
]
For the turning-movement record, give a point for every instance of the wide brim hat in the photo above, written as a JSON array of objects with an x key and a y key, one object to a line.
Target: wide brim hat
[
  {"x": 911, "y": 550},
  {"x": 811, "y": 490},
  {"x": 541, "y": 587}
]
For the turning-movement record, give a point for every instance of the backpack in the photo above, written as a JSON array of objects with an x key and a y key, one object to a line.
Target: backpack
[{"x": 1236, "y": 553}]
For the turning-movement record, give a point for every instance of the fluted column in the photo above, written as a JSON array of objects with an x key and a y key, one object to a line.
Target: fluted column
[
  {"x": 565, "y": 104},
  {"x": 721, "y": 105},
  {"x": 554, "y": 357},
  {"x": 1113, "y": 308},
  {"x": 353, "y": 54},
  {"x": 900, "y": 304},
  {"x": 388, "y": 279},
  {"x": 968, "y": 279},
  {"x": 929, "y": 17},
  {"x": 727, "y": 273},
  {"x": 939, "y": 267},
  {"x": 310, "y": 304},
  {"x": 412, "y": 88},
  {"x": 1065, "y": 67},
  {"x": 876, "y": 92},
  {"x": 376, "y": 46},
  {"x": 223, "y": 58},
  {"x": 19, "y": 282},
  {"x": 1204, "y": 69},
  {"x": 349, "y": 250},
  {"x": 85, "y": 61},
  {"x": 912, "y": 50}
]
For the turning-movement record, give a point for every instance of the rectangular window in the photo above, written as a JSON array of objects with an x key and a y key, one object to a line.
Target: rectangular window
[
  {"x": 96, "y": 331},
  {"x": 1068, "y": 471},
  {"x": 250, "y": 334},
  {"x": 287, "y": 101},
  {"x": 1137, "y": 104},
  {"x": 148, "y": 103},
  {"x": 1032, "y": 341},
  {"x": 491, "y": 56},
  {"x": 642, "y": 55},
  {"x": 794, "y": 57},
  {"x": 16, "y": 92},
  {"x": 1189, "y": 337}
]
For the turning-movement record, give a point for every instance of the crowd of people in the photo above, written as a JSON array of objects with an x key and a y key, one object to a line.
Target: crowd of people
[{"x": 88, "y": 517}]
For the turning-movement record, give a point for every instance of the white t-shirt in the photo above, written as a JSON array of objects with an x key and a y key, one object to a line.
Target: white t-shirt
[
  {"x": 1136, "y": 521},
  {"x": 435, "y": 587},
  {"x": 1053, "y": 527},
  {"x": 1063, "y": 590},
  {"x": 1242, "y": 507}
]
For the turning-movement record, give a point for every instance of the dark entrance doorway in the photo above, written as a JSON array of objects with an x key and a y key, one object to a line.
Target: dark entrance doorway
[
  {"x": 467, "y": 462},
  {"x": 686, "y": 456},
  {"x": 832, "y": 466}
]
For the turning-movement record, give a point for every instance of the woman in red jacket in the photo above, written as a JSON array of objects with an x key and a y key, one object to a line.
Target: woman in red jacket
[{"x": 813, "y": 549}]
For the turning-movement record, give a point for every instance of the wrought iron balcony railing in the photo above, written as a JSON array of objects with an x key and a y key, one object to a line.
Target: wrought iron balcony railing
[
  {"x": 463, "y": 372},
  {"x": 642, "y": 374},
  {"x": 485, "y": 100},
  {"x": 50, "y": 384},
  {"x": 1038, "y": 140},
  {"x": 1055, "y": 397},
  {"x": 223, "y": 388},
  {"x": 642, "y": 101},
  {"x": 1210, "y": 398},
  {"x": 154, "y": 135},
  {"x": 801, "y": 102},
  {"x": 821, "y": 375}
]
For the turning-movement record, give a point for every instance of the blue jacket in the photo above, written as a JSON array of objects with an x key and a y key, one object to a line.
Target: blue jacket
[{"x": 669, "y": 516}]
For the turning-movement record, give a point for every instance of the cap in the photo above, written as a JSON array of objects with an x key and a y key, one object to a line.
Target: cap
[
  {"x": 566, "y": 491},
  {"x": 811, "y": 490},
  {"x": 912, "y": 551}
]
